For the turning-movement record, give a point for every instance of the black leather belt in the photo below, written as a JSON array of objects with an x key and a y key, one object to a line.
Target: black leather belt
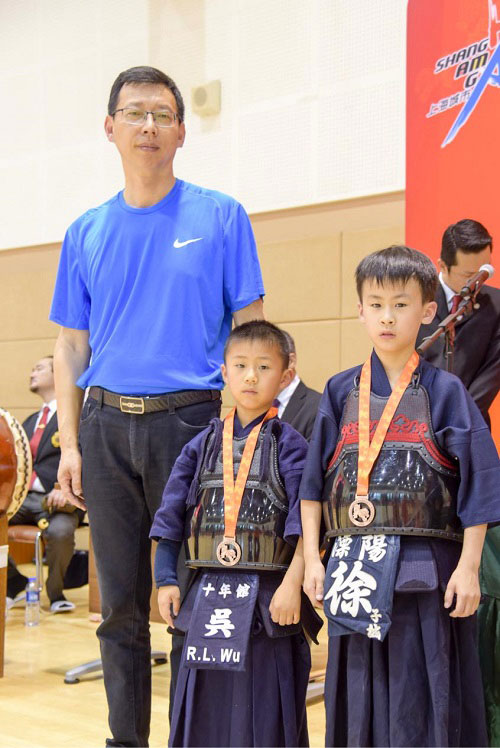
[{"x": 140, "y": 405}]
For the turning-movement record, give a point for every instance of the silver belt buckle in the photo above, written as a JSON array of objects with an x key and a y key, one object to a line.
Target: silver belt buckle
[{"x": 131, "y": 404}]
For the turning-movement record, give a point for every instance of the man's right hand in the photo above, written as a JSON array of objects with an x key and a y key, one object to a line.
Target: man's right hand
[
  {"x": 69, "y": 477},
  {"x": 314, "y": 577}
]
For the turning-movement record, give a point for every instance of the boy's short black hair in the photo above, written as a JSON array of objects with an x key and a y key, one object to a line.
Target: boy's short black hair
[
  {"x": 468, "y": 236},
  {"x": 290, "y": 341},
  {"x": 398, "y": 264},
  {"x": 260, "y": 329},
  {"x": 143, "y": 75}
]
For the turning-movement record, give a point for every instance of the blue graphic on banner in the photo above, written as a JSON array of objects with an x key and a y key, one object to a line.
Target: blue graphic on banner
[
  {"x": 217, "y": 638},
  {"x": 489, "y": 77},
  {"x": 476, "y": 66},
  {"x": 359, "y": 585}
]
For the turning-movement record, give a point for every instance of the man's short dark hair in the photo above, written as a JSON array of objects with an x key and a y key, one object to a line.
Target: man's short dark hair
[
  {"x": 398, "y": 264},
  {"x": 144, "y": 75},
  {"x": 51, "y": 359},
  {"x": 468, "y": 236},
  {"x": 261, "y": 330}
]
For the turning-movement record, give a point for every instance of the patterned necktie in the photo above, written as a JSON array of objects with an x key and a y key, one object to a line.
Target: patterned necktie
[
  {"x": 35, "y": 439},
  {"x": 455, "y": 302}
]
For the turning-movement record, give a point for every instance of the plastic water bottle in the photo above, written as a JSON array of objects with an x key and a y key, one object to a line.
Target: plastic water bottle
[{"x": 32, "y": 611}]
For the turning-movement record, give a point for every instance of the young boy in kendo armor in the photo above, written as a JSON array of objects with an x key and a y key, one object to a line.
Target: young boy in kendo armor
[
  {"x": 404, "y": 470},
  {"x": 232, "y": 497}
]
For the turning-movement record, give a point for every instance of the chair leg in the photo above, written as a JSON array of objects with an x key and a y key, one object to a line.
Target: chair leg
[
  {"x": 39, "y": 560},
  {"x": 72, "y": 676}
]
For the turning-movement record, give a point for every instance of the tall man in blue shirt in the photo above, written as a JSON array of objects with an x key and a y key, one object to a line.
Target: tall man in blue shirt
[{"x": 147, "y": 287}]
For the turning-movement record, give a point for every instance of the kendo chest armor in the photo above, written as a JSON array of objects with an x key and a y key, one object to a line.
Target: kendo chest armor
[
  {"x": 261, "y": 518},
  {"x": 413, "y": 485}
]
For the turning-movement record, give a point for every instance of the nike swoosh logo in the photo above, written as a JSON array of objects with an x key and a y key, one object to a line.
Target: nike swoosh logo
[{"x": 178, "y": 244}]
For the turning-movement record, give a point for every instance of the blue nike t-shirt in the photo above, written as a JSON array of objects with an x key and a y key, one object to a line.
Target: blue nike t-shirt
[{"x": 156, "y": 287}]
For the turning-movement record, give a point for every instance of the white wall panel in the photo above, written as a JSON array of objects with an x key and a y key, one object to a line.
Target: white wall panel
[
  {"x": 59, "y": 58},
  {"x": 312, "y": 100}
]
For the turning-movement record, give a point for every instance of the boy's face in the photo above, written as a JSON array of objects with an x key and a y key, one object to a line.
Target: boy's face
[
  {"x": 393, "y": 314},
  {"x": 254, "y": 373}
]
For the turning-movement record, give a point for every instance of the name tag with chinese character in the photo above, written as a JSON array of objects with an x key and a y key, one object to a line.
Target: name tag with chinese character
[
  {"x": 359, "y": 585},
  {"x": 219, "y": 631}
]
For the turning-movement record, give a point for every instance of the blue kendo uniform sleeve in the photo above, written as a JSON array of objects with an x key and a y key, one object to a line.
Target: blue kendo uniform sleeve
[
  {"x": 71, "y": 300},
  {"x": 292, "y": 451},
  {"x": 169, "y": 520},
  {"x": 242, "y": 275},
  {"x": 462, "y": 432},
  {"x": 166, "y": 557}
]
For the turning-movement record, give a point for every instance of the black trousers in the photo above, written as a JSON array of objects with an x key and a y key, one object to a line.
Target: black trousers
[
  {"x": 59, "y": 540},
  {"x": 127, "y": 459}
]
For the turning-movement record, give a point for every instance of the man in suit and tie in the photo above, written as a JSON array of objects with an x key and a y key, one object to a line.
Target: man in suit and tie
[
  {"x": 44, "y": 501},
  {"x": 297, "y": 404},
  {"x": 465, "y": 247}
]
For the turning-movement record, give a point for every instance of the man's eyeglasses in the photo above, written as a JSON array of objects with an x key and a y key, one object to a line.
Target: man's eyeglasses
[{"x": 133, "y": 116}]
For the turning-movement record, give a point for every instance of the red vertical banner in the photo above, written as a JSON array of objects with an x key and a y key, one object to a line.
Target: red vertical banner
[{"x": 452, "y": 129}]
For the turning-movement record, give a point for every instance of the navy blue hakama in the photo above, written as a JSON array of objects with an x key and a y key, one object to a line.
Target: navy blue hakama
[
  {"x": 264, "y": 705},
  {"x": 421, "y": 686}
]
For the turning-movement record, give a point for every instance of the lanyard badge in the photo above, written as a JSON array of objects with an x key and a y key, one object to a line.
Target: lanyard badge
[
  {"x": 362, "y": 510},
  {"x": 228, "y": 550}
]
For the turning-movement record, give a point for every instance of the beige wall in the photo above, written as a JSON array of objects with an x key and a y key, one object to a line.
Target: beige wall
[
  {"x": 25, "y": 333},
  {"x": 308, "y": 256}
]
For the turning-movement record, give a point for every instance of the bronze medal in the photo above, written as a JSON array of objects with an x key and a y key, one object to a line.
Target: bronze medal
[
  {"x": 362, "y": 510},
  {"x": 228, "y": 550}
]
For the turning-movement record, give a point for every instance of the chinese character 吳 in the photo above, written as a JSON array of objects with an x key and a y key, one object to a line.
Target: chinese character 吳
[
  {"x": 219, "y": 621},
  {"x": 342, "y": 545},
  {"x": 351, "y": 591},
  {"x": 375, "y": 546},
  {"x": 242, "y": 590},
  {"x": 225, "y": 590}
]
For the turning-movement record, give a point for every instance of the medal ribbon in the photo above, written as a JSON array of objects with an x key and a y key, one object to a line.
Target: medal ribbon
[
  {"x": 368, "y": 453},
  {"x": 233, "y": 490}
]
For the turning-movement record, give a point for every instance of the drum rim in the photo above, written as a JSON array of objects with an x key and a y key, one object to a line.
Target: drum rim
[{"x": 21, "y": 447}]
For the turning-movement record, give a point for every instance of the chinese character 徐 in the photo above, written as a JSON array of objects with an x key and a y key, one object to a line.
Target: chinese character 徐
[{"x": 352, "y": 590}]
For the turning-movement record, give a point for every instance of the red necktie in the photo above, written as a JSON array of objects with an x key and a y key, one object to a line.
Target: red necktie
[
  {"x": 455, "y": 302},
  {"x": 35, "y": 439}
]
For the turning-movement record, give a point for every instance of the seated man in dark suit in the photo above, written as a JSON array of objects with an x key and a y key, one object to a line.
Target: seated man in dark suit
[
  {"x": 44, "y": 502},
  {"x": 298, "y": 404},
  {"x": 465, "y": 247}
]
